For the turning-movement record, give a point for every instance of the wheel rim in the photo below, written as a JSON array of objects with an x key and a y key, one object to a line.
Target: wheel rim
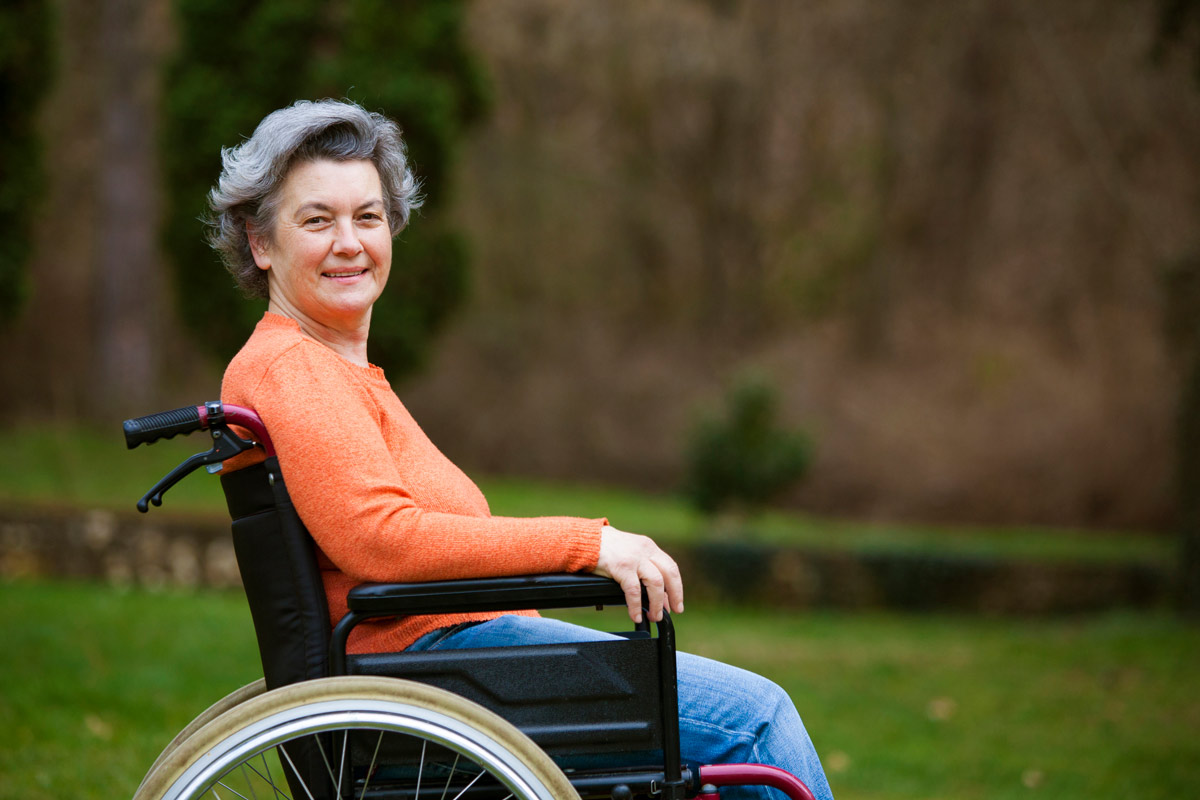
[{"x": 256, "y": 758}]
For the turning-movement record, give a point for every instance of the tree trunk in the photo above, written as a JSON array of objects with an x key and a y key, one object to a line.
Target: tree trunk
[{"x": 129, "y": 286}]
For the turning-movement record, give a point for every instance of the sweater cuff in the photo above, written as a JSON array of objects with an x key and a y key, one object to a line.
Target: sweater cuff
[{"x": 583, "y": 545}]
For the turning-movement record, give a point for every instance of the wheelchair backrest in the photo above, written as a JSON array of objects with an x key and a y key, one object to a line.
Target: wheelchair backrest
[{"x": 278, "y": 562}]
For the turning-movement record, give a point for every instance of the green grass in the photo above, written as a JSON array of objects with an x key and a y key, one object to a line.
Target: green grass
[
  {"x": 82, "y": 467},
  {"x": 965, "y": 708},
  {"x": 87, "y": 468},
  {"x": 94, "y": 681},
  {"x": 94, "y": 678}
]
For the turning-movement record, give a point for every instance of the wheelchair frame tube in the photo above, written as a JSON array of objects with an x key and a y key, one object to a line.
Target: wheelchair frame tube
[
  {"x": 237, "y": 415},
  {"x": 716, "y": 775},
  {"x": 674, "y": 787}
]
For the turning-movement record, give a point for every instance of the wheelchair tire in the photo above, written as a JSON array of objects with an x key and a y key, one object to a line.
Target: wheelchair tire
[
  {"x": 243, "y": 752},
  {"x": 218, "y": 708}
]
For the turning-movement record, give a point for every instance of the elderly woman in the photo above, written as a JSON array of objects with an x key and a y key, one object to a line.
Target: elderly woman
[{"x": 305, "y": 213}]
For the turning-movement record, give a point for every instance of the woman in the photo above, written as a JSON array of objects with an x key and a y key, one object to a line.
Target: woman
[{"x": 305, "y": 212}]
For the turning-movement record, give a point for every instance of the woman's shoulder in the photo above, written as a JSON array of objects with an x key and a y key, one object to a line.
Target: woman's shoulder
[{"x": 279, "y": 349}]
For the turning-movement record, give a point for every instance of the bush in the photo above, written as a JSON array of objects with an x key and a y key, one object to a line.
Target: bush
[{"x": 743, "y": 459}]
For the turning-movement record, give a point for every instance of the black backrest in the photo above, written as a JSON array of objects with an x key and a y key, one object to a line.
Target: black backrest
[{"x": 278, "y": 563}]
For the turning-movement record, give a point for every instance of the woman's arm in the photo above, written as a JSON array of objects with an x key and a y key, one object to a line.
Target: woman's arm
[{"x": 380, "y": 520}]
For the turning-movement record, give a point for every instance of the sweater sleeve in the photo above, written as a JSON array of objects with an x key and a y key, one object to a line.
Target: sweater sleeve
[{"x": 358, "y": 503}]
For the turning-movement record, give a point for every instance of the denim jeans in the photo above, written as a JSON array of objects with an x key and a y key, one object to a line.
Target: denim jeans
[{"x": 726, "y": 715}]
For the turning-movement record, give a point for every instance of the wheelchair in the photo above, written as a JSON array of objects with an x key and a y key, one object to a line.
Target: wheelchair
[{"x": 542, "y": 722}]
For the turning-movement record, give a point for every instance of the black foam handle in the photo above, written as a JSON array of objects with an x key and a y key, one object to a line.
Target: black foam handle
[{"x": 162, "y": 425}]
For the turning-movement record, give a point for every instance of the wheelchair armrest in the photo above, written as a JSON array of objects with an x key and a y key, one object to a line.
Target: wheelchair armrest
[
  {"x": 566, "y": 590},
  {"x": 557, "y": 590}
]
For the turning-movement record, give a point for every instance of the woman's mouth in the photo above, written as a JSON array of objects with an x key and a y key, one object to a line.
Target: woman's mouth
[{"x": 344, "y": 274}]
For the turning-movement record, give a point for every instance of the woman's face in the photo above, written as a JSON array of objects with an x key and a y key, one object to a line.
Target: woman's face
[{"x": 332, "y": 250}]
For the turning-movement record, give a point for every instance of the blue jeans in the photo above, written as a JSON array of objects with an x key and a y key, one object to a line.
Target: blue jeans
[{"x": 726, "y": 715}]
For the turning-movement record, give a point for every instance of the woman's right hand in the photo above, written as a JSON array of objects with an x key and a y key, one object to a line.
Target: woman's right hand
[{"x": 634, "y": 561}]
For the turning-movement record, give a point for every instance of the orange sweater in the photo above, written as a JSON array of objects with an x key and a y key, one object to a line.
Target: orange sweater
[{"x": 380, "y": 500}]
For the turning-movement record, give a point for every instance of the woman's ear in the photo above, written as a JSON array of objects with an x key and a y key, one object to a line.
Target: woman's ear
[{"x": 258, "y": 248}]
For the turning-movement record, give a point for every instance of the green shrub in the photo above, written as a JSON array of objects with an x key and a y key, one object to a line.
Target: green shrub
[{"x": 743, "y": 459}]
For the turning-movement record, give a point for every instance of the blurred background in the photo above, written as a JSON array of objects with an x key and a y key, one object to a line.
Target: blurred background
[
  {"x": 943, "y": 233},
  {"x": 936, "y": 263}
]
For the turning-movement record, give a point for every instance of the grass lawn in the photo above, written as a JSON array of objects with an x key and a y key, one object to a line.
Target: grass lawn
[
  {"x": 87, "y": 468},
  {"x": 94, "y": 680}
]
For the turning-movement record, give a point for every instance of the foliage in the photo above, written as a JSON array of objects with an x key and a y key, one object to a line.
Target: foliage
[
  {"x": 237, "y": 62},
  {"x": 26, "y": 70},
  {"x": 744, "y": 459}
]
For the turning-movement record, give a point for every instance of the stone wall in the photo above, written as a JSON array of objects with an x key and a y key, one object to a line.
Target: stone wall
[
  {"x": 163, "y": 550},
  {"x": 151, "y": 550},
  {"x": 791, "y": 578}
]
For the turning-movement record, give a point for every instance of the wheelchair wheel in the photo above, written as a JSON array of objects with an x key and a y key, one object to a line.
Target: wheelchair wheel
[
  {"x": 356, "y": 737},
  {"x": 218, "y": 708}
]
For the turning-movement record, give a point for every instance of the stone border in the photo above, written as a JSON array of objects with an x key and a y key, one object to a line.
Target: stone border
[
  {"x": 149, "y": 550},
  {"x": 161, "y": 549},
  {"x": 795, "y": 578}
]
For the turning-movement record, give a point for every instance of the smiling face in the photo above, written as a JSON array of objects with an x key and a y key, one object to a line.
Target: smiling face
[{"x": 331, "y": 252}]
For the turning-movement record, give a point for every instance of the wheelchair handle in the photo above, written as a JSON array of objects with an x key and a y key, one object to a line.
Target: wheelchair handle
[
  {"x": 163, "y": 425},
  {"x": 189, "y": 419},
  {"x": 212, "y": 416}
]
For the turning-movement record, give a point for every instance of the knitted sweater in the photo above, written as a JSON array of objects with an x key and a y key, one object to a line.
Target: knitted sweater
[{"x": 380, "y": 500}]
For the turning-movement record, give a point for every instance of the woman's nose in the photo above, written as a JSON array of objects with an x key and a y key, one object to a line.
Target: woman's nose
[{"x": 345, "y": 240}]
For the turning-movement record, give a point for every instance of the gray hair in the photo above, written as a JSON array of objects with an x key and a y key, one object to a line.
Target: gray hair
[{"x": 253, "y": 172}]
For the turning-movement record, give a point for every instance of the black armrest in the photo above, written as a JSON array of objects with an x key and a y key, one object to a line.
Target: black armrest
[{"x": 485, "y": 594}]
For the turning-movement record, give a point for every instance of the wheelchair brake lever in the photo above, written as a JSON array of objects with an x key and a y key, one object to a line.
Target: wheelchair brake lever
[{"x": 226, "y": 445}]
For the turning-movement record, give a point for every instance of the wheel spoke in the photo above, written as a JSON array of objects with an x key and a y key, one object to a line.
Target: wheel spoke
[
  {"x": 246, "y": 781},
  {"x": 266, "y": 775},
  {"x": 299, "y": 777},
  {"x": 325, "y": 760},
  {"x": 469, "y": 785},
  {"x": 371, "y": 769},
  {"x": 420, "y": 769},
  {"x": 342, "y": 763},
  {"x": 224, "y": 785},
  {"x": 450, "y": 777}
]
